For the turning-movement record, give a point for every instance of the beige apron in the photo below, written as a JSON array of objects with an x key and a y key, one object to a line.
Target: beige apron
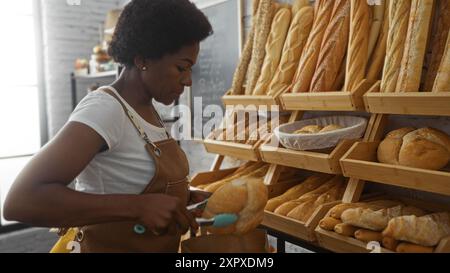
[{"x": 171, "y": 177}]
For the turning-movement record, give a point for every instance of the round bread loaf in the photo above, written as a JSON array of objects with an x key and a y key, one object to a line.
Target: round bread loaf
[{"x": 425, "y": 148}]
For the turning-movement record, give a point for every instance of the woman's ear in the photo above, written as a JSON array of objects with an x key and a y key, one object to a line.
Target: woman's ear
[{"x": 140, "y": 63}]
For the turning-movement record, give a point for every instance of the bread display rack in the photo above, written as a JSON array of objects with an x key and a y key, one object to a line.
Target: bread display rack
[{"x": 355, "y": 159}]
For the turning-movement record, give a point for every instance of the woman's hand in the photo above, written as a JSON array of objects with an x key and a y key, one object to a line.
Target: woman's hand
[
  {"x": 197, "y": 197},
  {"x": 162, "y": 212}
]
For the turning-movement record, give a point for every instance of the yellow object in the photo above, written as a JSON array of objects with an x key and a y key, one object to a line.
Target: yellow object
[{"x": 62, "y": 246}]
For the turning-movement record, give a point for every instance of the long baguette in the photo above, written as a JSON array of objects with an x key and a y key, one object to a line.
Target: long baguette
[
  {"x": 298, "y": 5},
  {"x": 399, "y": 11},
  {"x": 376, "y": 61},
  {"x": 438, "y": 43},
  {"x": 274, "y": 48},
  {"x": 264, "y": 20},
  {"x": 415, "y": 48},
  {"x": 293, "y": 48},
  {"x": 310, "y": 55},
  {"x": 242, "y": 68},
  {"x": 442, "y": 82},
  {"x": 334, "y": 46},
  {"x": 358, "y": 44},
  {"x": 376, "y": 26}
]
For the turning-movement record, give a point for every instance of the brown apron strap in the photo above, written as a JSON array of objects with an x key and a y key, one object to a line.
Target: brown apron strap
[{"x": 133, "y": 120}]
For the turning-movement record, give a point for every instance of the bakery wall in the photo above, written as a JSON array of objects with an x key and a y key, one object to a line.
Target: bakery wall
[{"x": 70, "y": 32}]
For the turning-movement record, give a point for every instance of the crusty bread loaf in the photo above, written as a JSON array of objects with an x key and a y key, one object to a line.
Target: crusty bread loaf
[
  {"x": 438, "y": 42},
  {"x": 389, "y": 148},
  {"x": 266, "y": 12},
  {"x": 389, "y": 243},
  {"x": 366, "y": 235},
  {"x": 304, "y": 211},
  {"x": 376, "y": 61},
  {"x": 293, "y": 48},
  {"x": 274, "y": 48},
  {"x": 425, "y": 148},
  {"x": 358, "y": 45},
  {"x": 337, "y": 210},
  {"x": 345, "y": 229},
  {"x": 442, "y": 82},
  {"x": 399, "y": 11},
  {"x": 426, "y": 230},
  {"x": 308, "y": 60},
  {"x": 295, "y": 192},
  {"x": 376, "y": 220},
  {"x": 328, "y": 223},
  {"x": 246, "y": 198},
  {"x": 333, "y": 48},
  {"x": 415, "y": 47}
]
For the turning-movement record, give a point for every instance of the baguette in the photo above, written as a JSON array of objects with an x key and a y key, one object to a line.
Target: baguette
[
  {"x": 274, "y": 48},
  {"x": 368, "y": 235},
  {"x": 308, "y": 185},
  {"x": 333, "y": 48},
  {"x": 438, "y": 43},
  {"x": 298, "y": 5},
  {"x": 310, "y": 55},
  {"x": 376, "y": 62},
  {"x": 265, "y": 14},
  {"x": 389, "y": 243},
  {"x": 337, "y": 210},
  {"x": 358, "y": 44},
  {"x": 426, "y": 230},
  {"x": 399, "y": 11},
  {"x": 345, "y": 229},
  {"x": 244, "y": 62},
  {"x": 376, "y": 23},
  {"x": 413, "y": 248},
  {"x": 328, "y": 223},
  {"x": 442, "y": 82},
  {"x": 376, "y": 220},
  {"x": 298, "y": 34},
  {"x": 415, "y": 48}
]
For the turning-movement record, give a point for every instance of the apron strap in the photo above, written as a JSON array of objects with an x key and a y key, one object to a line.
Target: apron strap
[{"x": 133, "y": 120}]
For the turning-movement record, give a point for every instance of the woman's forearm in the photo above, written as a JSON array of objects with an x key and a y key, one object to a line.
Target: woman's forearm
[{"x": 55, "y": 205}]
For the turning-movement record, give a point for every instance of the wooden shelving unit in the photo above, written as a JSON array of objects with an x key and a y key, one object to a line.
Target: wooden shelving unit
[
  {"x": 325, "y": 101},
  {"x": 412, "y": 103}
]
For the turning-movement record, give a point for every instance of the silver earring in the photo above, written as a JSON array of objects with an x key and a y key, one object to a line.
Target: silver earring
[{"x": 144, "y": 68}]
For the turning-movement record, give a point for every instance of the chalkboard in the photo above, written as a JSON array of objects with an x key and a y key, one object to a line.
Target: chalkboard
[{"x": 218, "y": 57}]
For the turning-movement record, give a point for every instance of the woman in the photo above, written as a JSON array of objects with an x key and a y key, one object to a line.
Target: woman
[{"x": 129, "y": 172}]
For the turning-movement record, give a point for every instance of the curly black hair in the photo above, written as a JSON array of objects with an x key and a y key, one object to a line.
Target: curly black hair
[{"x": 153, "y": 28}]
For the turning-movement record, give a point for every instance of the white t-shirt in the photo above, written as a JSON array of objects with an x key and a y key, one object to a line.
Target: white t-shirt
[{"x": 126, "y": 167}]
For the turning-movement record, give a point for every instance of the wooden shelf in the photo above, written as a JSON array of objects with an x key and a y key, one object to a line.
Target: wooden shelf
[
  {"x": 251, "y": 100},
  {"x": 297, "y": 229},
  {"x": 236, "y": 150},
  {"x": 360, "y": 162},
  {"x": 327, "y": 101},
  {"x": 343, "y": 244},
  {"x": 325, "y": 162},
  {"x": 208, "y": 177},
  {"x": 412, "y": 103}
]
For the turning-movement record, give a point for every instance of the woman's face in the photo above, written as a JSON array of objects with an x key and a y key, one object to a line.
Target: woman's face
[{"x": 166, "y": 78}]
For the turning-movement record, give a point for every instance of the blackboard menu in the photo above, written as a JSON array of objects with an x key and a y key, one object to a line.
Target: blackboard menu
[{"x": 218, "y": 57}]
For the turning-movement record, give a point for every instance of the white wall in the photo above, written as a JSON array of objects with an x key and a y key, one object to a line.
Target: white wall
[{"x": 69, "y": 32}]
